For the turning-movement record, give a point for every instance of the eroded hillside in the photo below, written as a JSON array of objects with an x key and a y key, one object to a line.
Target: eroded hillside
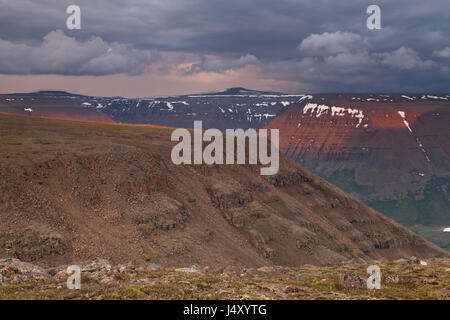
[{"x": 74, "y": 191}]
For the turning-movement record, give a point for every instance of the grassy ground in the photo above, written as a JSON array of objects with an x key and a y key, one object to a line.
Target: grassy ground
[{"x": 400, "y": 281}]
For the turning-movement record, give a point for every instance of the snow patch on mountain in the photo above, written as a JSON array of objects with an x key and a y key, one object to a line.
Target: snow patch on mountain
[
  {"x": 405, "y": 122},
  {"x": 419, "y": 143},
  {"x": 304, "y": 97},
  {"x": 322, "y": 109}
]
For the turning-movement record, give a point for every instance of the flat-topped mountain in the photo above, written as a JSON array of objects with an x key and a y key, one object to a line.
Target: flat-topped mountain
[
  {"x": 239, "y": 91},
  {"x": 390, "y": 150}
]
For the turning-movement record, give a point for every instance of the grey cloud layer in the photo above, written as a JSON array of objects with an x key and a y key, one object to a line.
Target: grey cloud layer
[
  {"x": 326, "y": 63},
  {"x": 444, "y": 53},
  {"x": 60, "y": 54},
  {"x": 398, "y": 70},
  {"x": 323, "y": 45},
  {"x": 327, "y": 44},
  {"x": 219, "y": 65}
]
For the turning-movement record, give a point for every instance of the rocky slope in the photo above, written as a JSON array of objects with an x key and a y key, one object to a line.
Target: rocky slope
[
  {"x": 391, "y": 151},
  {"x": 74, "y": 191}
]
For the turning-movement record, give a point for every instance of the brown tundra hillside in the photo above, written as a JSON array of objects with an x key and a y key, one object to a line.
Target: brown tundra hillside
[{"x": 74, "y": 191}]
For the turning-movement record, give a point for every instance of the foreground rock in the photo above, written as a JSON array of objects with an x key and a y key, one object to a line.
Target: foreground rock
[
  {"x": 125, "y": 282},
  {"x": 15, "y": 270},
  {"x": 353, "y": 281}
]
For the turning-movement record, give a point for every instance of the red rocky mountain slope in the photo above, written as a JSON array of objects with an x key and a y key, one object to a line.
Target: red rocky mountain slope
[{"x": 392, "y": 151}]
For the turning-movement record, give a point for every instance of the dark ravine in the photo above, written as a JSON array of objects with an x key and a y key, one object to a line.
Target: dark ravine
[{"x": 74, "y": 191}]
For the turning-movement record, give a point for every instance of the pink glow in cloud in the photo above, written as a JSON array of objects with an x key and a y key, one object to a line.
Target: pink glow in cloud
[{"x": 170, "y": 82}]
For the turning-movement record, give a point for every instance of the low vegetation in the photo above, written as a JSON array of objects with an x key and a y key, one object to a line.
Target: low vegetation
[{"x": 400, "y": 280}]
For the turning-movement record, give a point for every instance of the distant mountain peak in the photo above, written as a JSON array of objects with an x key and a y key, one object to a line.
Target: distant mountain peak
[
  {"x": 236, "y": 91},
  {"x": 52, "y": 93},
  {"x": 48, "y": 93}
]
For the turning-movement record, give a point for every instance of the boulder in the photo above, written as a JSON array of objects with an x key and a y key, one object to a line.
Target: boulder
[
  {"x": 11, "y": 269},
  {"x": 353, "y": 281}
]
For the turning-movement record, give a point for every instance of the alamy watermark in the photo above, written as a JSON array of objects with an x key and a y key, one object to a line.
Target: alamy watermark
[
  {"x": 374, "y": 279},
  {"x": 374, "y": 20},
  {"x": 73, "y": 22},
  {"x": 74, "y": 280},
  {"x": 235, "y": 140}
]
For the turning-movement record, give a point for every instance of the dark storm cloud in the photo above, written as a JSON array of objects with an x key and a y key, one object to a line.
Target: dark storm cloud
[{"x": 324, "y": 45}]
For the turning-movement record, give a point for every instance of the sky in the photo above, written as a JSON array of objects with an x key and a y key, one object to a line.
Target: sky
[{"x": 140, "y": 48}]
